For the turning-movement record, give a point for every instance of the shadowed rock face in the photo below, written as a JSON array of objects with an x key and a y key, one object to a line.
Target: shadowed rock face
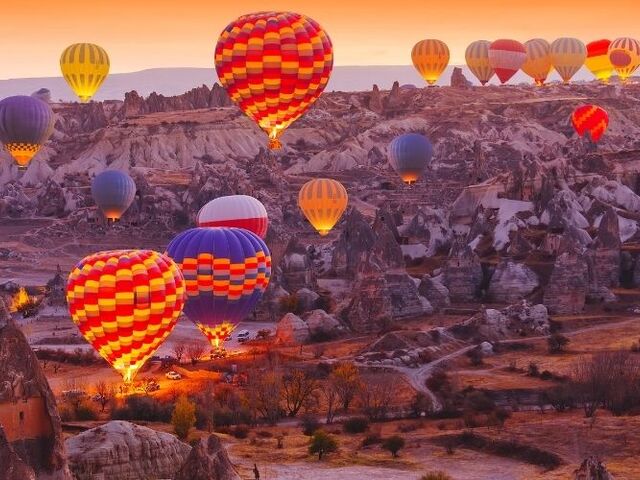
[
  {"x": 208, "y": 460},
  {"x": 28, "y": 411},
  {"x": 124, "y": 451},
  {"x": 13, "y": 468},
  {"x": 462, "y": 273}
]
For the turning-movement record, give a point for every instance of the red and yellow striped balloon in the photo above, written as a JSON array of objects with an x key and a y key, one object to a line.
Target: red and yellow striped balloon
[
  {"x": 598, "y": 61},
  {"x": 590, "y": 119},
  {"x": 274, "y": 65},
  {"x": 125, "y": 303},
  {"x": 624, "y": 54}
]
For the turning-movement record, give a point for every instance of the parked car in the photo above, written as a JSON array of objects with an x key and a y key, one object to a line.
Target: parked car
[
  {"x": 243, "y": 336},
  {"x": 171, "y": 375}
]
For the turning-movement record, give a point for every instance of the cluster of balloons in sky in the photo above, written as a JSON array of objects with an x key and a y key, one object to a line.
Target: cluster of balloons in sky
[
  {"x": 536, "y": 58},
  {"x": 274, "y": 65}
]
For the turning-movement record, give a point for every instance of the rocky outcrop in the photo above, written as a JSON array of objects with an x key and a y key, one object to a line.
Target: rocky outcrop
[
  {"x": 370, "y": 310},
  {"x": 406, "y": 301},
  {"x": 606, "y": 252},
  {"x": 429, "y": 227},
  {"x": 199, "y": 97},
  {"x": 375, "y": 101},
  {"x": 521, "y": 319},
  {"x": 592, "y": 469},
  {"x": 512, "y": 282},
  {"x": 435, "y": 292},
  {"x": 120, "y": 450},
  {"x": 356, "y": 241},
  {"x": 297, "y": 267},
  {"x": 566, "y": 291},
  {"x": 462, "y": 273},
  {"x": 208, "y": 460},
  {"x": 322, "y": 324},
  {"x": 28, "y": 411},
  {"x": 458, "y": 80},
  {"x": 292, "y": 330},
  {"x": 13, "y": 467}
]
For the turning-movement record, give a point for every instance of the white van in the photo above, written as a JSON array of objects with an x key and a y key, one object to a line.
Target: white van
[{"x": 243, "y": 336}]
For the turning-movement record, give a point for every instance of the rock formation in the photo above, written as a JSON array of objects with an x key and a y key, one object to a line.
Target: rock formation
[
  {"x": 592, "y": 469},
  {"x": 458, "y": 80},
  {"x": 297, "y": 268},
  {"x": 199, "y": 97},
  {"x": 13, "y": 468},
  {"x": 511, "y": 282},
  {"x": 120, "y": 450},
  {"x": 566, "y": 291},
  {"x": 375, "y": 101},
  {"x": 354, "y": 244},
  {"x": 462, "y": 273},
  {"x": 292, "y": 330},
  {"x": 208, "y": 460},
  {"x": 370, "y": 310},
  {"x": 435, "y": 292},
  {"x": 28, "y": 410},
  {"x": 322, "y": 324}
]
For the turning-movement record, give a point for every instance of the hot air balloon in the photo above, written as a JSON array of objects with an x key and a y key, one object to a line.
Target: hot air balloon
[
  {"x": 538, "y": 63},
  {"x": 323, "y": 201},
  {"x": 274, "y": 66},
  {"x": 477, "y": 57},
  {"x": 409, "y": 155},
  {"x": 624, "y": 54},
  {"x": 592, "y": 120},
  {"x": 240, "y": 211},
  {"x": 598, "y": 60},
  {"x": 84, "y": 66},
  {"x": 226, "y": 272},
  {"x": 125, "y": 303},
  {"x": 506, "y": 58},
  {"x": 568, "y": 56},
  {"x": 430, "y": 57},
  {"x": 113, "y": 191},
  {"x": 26, "y": 123}
]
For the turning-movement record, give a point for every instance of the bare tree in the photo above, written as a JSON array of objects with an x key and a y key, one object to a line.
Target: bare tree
[
  {"x": 376, "y": 394},
  {"x": 331, "y": 399},
  {"x": 297, "y": 387},
  {"x": 345, "y": 378},
  {"x": 195, "y": 350},
  {"x": 105, "y": 393},
  {"x": 264, "y": 394},
  {"x": 179, "y": 349}
]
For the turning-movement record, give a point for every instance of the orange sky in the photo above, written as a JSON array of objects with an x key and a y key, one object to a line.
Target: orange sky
[{"x": 141, "y": 34}]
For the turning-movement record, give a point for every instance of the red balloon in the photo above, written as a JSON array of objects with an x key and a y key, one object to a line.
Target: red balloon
[
  {"x": 506, "y": 57},
  {"x": 590, "y": 119}
]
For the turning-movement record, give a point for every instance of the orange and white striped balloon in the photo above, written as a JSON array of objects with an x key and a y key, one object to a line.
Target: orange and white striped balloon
[
  {"x": 125, "y": 303},
  {"x": 538, "y": 62},
  {"x": 477, "y": 57},
  {"x": 430, "y": 57},
  {"x": 624, "y": 54},
  {"x": 323, "y": 201},
  {"x": 568, "y": 56}
]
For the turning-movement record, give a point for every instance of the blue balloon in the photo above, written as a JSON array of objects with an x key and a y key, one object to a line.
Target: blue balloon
[
  {"x": 226, "y": 271},
  {"x": 409, "y": 155},
  {"x": 113, "y": 191}
]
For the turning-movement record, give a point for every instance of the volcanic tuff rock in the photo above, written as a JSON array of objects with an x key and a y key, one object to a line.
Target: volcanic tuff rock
[
  {"x": 27, "y": 406},
  {"x": 566, "y": 290},
  {"x": 430, "y": 227},
  {"x": 592, "y": 469},
  {"x": 320, "y": 322},
  {"x": 370, "y": 310},
  {"x": 462, "y": 273},
  {"x": 199, "y": 97},
  {"x": 13, "y": 468},
  {"x": 518, "y": 319},
  {"x": 511, "y": 282},
  {"x": 458, "y": 80},
  {"x": 434, "y": 291},
  {"x": 297, "y": 267},
  {"x": 208, "y": 460},
  {"x": 292, "y": 330},
  {"x": 603, "y": 258},
  {"x": 120, "y": 450}
]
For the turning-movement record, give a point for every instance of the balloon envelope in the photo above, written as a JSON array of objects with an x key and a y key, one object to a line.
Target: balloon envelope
[
  {"x": 240, "y": 211},
  {"x": 592, "y": 120},
  {"x": 624, "y": 54},
  {"x": 113, "y": 191},
  {"x": 26, "y": 123},
  {"x": 226, "y": 271},
  {"x": 430, "y": 57},
  {"x": 568, "y": 56},
  {"x": 506, "y": 58},
  {"x": 477, "y": 57},
  {"x": 538, "y": 62},
  {"x": 598, "y": 61},
  {"x": 84, "y": 66},
  {"x": 274, "y": 66},
  {"x": 409, "y": 155},
  {"x": 125, "y": 303},
  {"x": 323, "y": 201}
]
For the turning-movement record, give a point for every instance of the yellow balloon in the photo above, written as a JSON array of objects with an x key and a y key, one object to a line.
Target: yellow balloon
[
  {"x": 477, "y": 57},
  {"x": 598, "y": 61},
  {"x": 323, "y": 201},
  {"x": 568, "y": 56},
  {"x": 430, "y": 57},
  {"x": 624, "y": 54},
  {"x": 84, "y": 66},
  {"x": 538, "y": 63}
]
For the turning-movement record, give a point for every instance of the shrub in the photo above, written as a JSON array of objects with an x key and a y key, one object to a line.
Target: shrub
[
  {"x": 183, "y": 417},
  {"x": 309, "y": 424},
  {"x": 479, "y": 402},
  {"x": 356, "y": 425},
  {"x": 475, "y": 356},
  {"x": 436, "y": 476},
  {"x": 394, "y": 444},
  {"x": 85, "y": 412},
  {"x": 438, "y": 381},
  {"x": 371, "y": 439},
  {"x": 322, "y": 443},
  {"x": 533, "y": 370},
  {"x": 142, "y": 407},
  {"x": 557, "y": 342},
  {"x": 240, "y": 431}
]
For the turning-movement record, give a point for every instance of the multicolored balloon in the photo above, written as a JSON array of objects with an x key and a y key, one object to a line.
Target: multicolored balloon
[
  {"x": 568, "y": 56},
  {"x": 624, "y": 54},
  {"x": 538, "y": 62},
  {"x": 242, "y": 211},
  {"x": 114, "y": 192},
  {"x": 598, "y": 61},
  {"x": 85, "y": 67},
  {"x": 477, "y": 57},
  {"x": 591, "y": 120},
  {"x": 26, "y": 123},
  {"x": 323, "y": 201},
  {"x": 226, "y": 271},
  {"x": 274, "y": 66},
  {"x": 409, "y": 155},
  {"x": 430, "y": 57},
  {"x": 125, "y": 303},
  {"x": 506, "y": 58}
]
